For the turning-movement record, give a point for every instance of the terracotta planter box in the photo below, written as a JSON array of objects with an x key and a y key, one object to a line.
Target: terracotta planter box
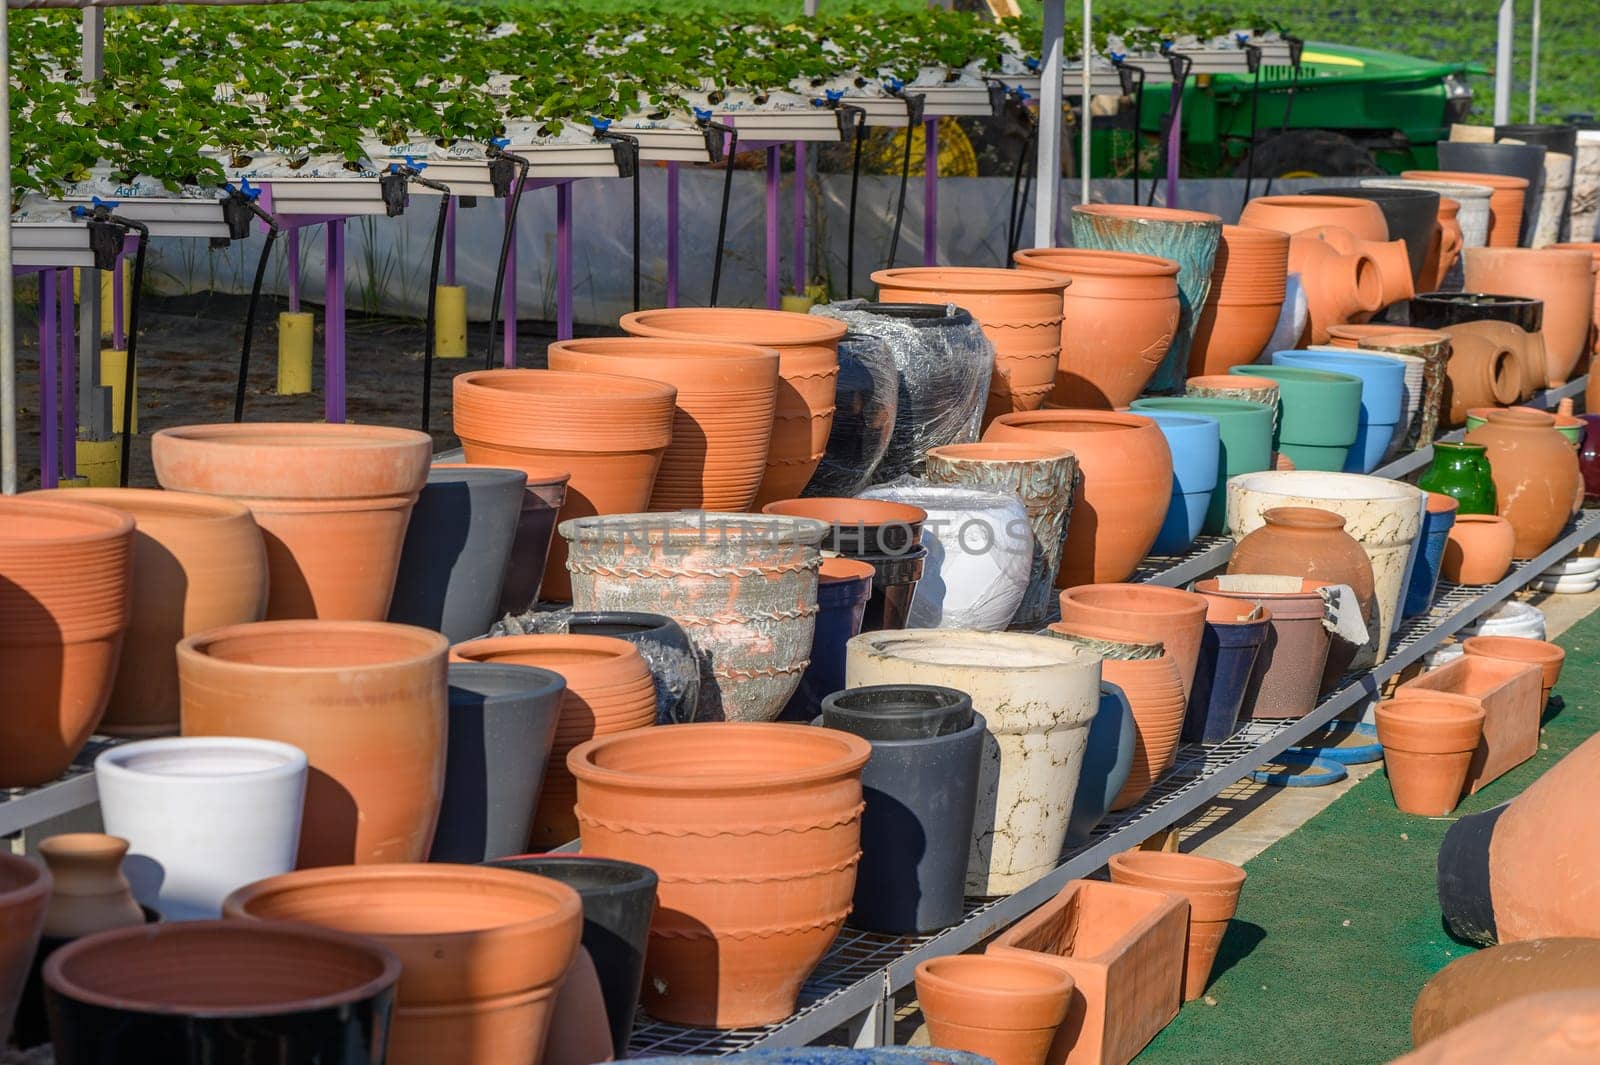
[
  {"x": 1510, "y": 694},
  {"x": 1124, "y": 948}
]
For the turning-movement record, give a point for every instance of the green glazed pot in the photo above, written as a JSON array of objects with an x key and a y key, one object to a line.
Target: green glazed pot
[
  {"x": 1319, "y": 413},
  {"x": 1246, "y": 433},
  {"x": 1461, "y": 471}
]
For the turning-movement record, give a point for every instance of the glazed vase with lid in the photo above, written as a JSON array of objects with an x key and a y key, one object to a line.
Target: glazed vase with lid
[
  {"x": 1535, "y": 472},
  {"x": 90, "y": 894},
  {"x": 1004, "y": 1007}
]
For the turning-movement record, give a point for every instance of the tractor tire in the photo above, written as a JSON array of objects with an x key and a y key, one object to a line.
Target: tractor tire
[{"x": 1309, "y": 153}]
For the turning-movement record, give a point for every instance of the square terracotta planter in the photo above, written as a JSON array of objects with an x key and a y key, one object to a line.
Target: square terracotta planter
[
  {"x": 1511, "y": 694},
  {"x": 1124, "y": 948}
]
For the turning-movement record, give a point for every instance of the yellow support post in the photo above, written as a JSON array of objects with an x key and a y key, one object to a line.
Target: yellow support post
[
  {"x": 100, "y": 461},
  {"x": 294, "y": 352},
  {"x": 450, "y": 322},
  {"x": 113, "y": 373}
]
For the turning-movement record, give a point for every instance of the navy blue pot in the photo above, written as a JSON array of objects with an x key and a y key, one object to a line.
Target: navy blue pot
[
  {"x": 841, "y": 607},
  {"x": 1228, "y": 653},
  {"x": 1436, "y": 525},
  {"x": 1106, "y": 762}
]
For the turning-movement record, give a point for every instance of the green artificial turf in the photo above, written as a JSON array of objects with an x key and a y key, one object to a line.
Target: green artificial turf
[{"x": 1338, "y": 927}]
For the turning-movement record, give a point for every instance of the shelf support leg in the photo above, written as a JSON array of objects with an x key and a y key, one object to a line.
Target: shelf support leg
[
  {"x": 563, "y": 261},
  {"x": 774, "y": 250},
  {"x": 508, "y": 295},
  {"x": 450, "y": 242},
  {"x": 672, "y": 234},
  {"x": 47, "y": 378},
  {"x": 930, "y": 191},
  {"x": 333, "y": 331},
  {"x": 69, "y": 373},
  {"x": 800, "y": 217}
]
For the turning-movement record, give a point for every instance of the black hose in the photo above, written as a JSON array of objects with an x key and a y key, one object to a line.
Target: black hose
[
  {"x": 129, "y": 372},
  {"x": 1250, "y": 156},
  {"x": 250, "y": 323},
  {"x": 1019, "y": 202},
  {"x": 1295, "y": 50},
  {"x": 430, "y": 338},
  {"x": 505, "y": 253},
  {"x": 912, "y": 121},
  {"x": 855, "y": 185},
  {"x": 722, "y": 218}
]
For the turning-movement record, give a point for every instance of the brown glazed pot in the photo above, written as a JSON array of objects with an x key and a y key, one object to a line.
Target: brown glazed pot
[
  {"x": 1484, "y": 980},
  {"x": 1175, "y": 618},
  {"x": 808, "y": 376},
  {"x": 1527, "y": 350},
  {"x": 1479, "y": 549},
  {"x": 366, "y": 700},
  {"x": 1005, "y": 1007},
  {"x": 24, "y": 896},
  {"x": 1241, "y": 311},
  {"x": 755, "y": 831},
  {"x": 1292, "y": 665},
  {"x": 1428, "y": 743},
  {"x": 332, "y": 502},
  {"x": 482, "y": 951},
  {"x": 65, "y": 603},
  {"x": 198, "y": 563},
  {"x": 1562, "y": 277},
  {"x": 1506, "y": 194},
  {"x": 1212, "y": 887},
  {"x": 1535, "y": 472},
  {"x": 1338, "y": 287},
  {"x": 1549, "y": 657},
  {"x": 1482, "y": 372}
]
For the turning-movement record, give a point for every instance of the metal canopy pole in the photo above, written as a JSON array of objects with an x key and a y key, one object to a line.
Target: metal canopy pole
[
  {"x": 1047, "y": 187},
  {"x": 1086, "y": 116},
  {"x": 93, "y": 414},
  {"x": 8, "y": 340},
  {"x": 1533, "y": 68},
  {"x": 1506, "y": 30}
]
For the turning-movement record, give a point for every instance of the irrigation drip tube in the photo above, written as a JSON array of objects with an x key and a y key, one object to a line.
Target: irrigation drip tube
[
  {"x": 402, "y": 175},
  {"x": 1252, "y": 58},
  {"x": 722, "y": 213},
  {"x": 1181, "y": 65},
  {"x": 1019, "y": 184},
  {"x": 1296, "y": 49},
  {"x": 106, "y": 232},
  {"x": 1133, "y": 85},
  {"x": 628, "y": 162},
  {"x": 501, "y": 163},
  {"x": 855, "y": 185},
  {"x": 914, "y": 103},
  {"x": 245, "y": 199}
]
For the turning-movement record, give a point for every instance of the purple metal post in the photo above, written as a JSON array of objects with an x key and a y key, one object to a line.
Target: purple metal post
[
  {"x": 774, "y": 252},
  {"x": 333, "y": 343},
  {"x": 69, "y": 373},
  {"x": 292, "y": 248},
  {"x": 47, "y": 379},
  {"x": 672, "y": 234},
  {"x": 1174, "y": 145},
  {"x": 508, "y": 301},
  {"x": 930, "y": 192},
  {"x": 564, "y": 261},
  {"x": 800, "y": 277},
  {"x": 450, "y": 242},
  {"x": 117, "y": 310}
]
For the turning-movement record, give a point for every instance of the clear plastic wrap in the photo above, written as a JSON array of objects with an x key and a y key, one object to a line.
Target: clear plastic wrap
[
  {"x": 944, "y": 361},
  {"x": 863, "y": 418}
]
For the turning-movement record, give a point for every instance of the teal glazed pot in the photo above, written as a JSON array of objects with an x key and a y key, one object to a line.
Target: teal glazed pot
[
  {"x": 1383, "y": 389},
  {"x": 1245, "y": 442},
  {"x": 1188, "y": 238},
  {"x": 1319, "y": 414},
  {"x": 1461, "y": 471}
]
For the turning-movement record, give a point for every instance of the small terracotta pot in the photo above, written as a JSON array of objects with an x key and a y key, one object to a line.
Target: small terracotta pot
[
  {"x": 1563, "y": 277},
  {"x": 1536, "y": 476},
  {"x": 1549, "y": 657},
  {"x": 1505, "y": 199},
  {"x": 89, "y": 893},
  {"x": 858, "y": 527},
  {"x": 1294, "y": 213},
  {"x": 1338, "y": 286},
  {"x": 1479, "y": 550},
  {"x": 1427, "y": 748},
  {"x": 1212, "y": 887},
  {"x": 24, "y": 896},
  {"x": 1174, "y": 617},
  {"x": 1003, "y": 1007}
]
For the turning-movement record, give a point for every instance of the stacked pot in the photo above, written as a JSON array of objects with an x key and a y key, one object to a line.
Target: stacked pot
[{"x": 1248, "y": 285}]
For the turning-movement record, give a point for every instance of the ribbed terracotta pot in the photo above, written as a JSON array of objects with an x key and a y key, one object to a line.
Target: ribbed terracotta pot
[
  {"x": 1124, "y": 486},
  {"x": 1212, "y": 887},
  {"x": 66, "y": 597},
  {"x": 608, "y": 432},
  {"x": 1506, "y": 196},
  {"x": 1247, "y": 290},
  {"x": 1564, "y": 278},
  {"x": 808, "y": 376},
  {"x": 365, "y": 700},
  {"x": 1003, "y": 1007},
  {"x": 1536, "y": 477},
  {"x": 1428, "y": 742},
  {"x": 1120, "y": 315},
  {"x": 1339, "y": 287},
  {"x": 755, "y": 831},
  {"x": 482, "y": 951},
  {"x": 1175, "y": 618},
  {"x": 722, "y": 427},
  {"x": 332, "y": 502}
]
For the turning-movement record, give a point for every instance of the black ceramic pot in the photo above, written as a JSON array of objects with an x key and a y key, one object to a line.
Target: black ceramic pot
[
  {"x": 894, "y": 585},
  {"x": 453, "y": 564},
  {"x": 1553, "y": 138},
  {"x": 1466, "y": 897},
  {"x": 1410, "y": 213},
  {"x": 32, "y": 1024},
  {"x": 863, "y": 417},
  {"x": 1513, "y": 160},
  {"x": 502, "y": 721},
  {"x": 1440, "y": 310},
  {"x": 619, "y": 899},
  {"x": 921, "y": 792},
  {"x": 541, "y": 505}
]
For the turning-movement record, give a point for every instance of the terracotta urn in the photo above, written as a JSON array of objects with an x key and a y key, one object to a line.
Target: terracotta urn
[
  {"x": 1295, "y": 213},
  {"x": 1212, "y": 887},
  {"x": 1482, "y": 981},
  {"x": 1428, "y": 744},
  {"x": 1124, "y": 486},
  {"x": 808, "y": 376},
  {"x": 482, "y": 951},
  {"x": 365, "y": 700},
  {"x": 1241, "y": 311},
  {"x": 332, "y": 502},
  {"x": 1548, "y": 656},
  {"x": 1120, "y": 314},
  {"x": 722, "y": 424},
  {"x": 198, "y": 562},
  {"x": 608, "y": 432},
  {"x": 24, "y": 896},
  {"x": 1433, "y": 350},
  {"x": 65, "y": 604},
  {"x": 1482, "y": 372},
  {"x": 1506, "y": 196},
  {"x": 1388, "y": 256},
  {"x": 1535, "y": 472},
  {"x": 1564, "y": 278},
  {"x": 1004, "y": 1007},
  {"x": 1338, "y": 287},
  {"x": 1170, "y": 616},
  {"x": 89, "y": 892},
  {"x": 1020, "y": 312},
  {"x": 754, "y": 829},
  {"x": 1479, "y": 549}
]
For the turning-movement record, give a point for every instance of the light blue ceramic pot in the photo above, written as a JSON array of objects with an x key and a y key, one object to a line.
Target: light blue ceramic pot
[
  {"x": 1196, "y": 443},
  {"x": 1383, "y": 392}
]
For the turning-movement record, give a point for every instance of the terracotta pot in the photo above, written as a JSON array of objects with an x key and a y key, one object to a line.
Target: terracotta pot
[
  {"x": 24, "y": 896},
  {"x": 1004, "y": 1008},
  {"x": 483, "y": 950},
  {"x": 1482, "y": 372},
  {"x": 722, "y": 425},
  {"x": 858, "y": 528},
  {"x": 608, "y": 432},
  {"x": 1260, "y": 390},
  {"x": 1563, "y": 278},
  {"x": 1482, "y": 981},
  {"x": 1119, "y": 316},
  {"x": 578, "y": 1034},
  {"x": 1174, "y": 617},
  {"x": 1548, "y": 656},
  {"x": 365, "y": 700},
  {"x": 1479, "y": 550},
  {"x": 1212, "y": 888},
  {"x": 1242, "y": 309},
  {"x": 332, "y": 502},
  {"x": 65, "y": 603},
  {"x": 1594, "y": 251},
  {"x": 1294, "y": 664},
  {"x": 198, "y": 562},
  {"x": 1338, "y": 287},
  {"x": 1536, "y": 475},
  {"x": 1428, "y": 744},
  {"x": 775, "y": 810},
  {"x": 1294, "y": 213},
  {"x": 89, "y": 894},
  {"x": 1506, "y": 198},
  {"x": 1124, "y": 486},
  {"x": 1019, "y": 310},
  {"x": 1409, "y": 213},
  {"x": 1432, "y": 348},
  {"x": 1508, "y": 695},
  {"x": 1393, "y": 267},
  {"x": 808, "y": 375},
  {"x": 1154, "y": 688},
  {"x": 1310, "y": 543},
  {"x": 1448, "y": 243}
]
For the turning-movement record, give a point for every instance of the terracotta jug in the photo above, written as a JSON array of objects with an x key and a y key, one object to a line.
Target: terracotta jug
[
  {"x": 1563, "y": 277},
  {"x": 1242, "y": 309},
  {"x": 1337, "y": 287},
  {"x": 1527, "y": 349},
  {"x": 1310, "y": 543},
  {"x": 1505, "y": 199},
  {"x": 90, "y": 893},
  {"x": 1482, "y": 372},
  {"x": 1394, "y": 267},
  {"x": 1295, "y": 213},
  {"x": 1535, "y": 472},
  {"x": 1003, "y": 1007},
  {"x": 1478, "y": 549},
  {"x": 1212, "y": 887},
  {"x": 1428, "y": 742}
]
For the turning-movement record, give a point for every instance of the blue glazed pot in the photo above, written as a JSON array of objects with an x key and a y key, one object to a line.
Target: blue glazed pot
[
  {"x": 1106, "y": 762},
  {"x": 1228, "y": 653},
  {"x": 1383, "y": 390},
  {"x": 1196, "y": 444},
  {"x": 842, "y": 594},
  {"x": 1437, "y": 522},
  {"x": 1246, "y": 445}
]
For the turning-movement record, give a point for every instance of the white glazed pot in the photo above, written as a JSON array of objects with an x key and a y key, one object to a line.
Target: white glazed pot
[
  {"x": 1037, "y": 696},
  {"x": 1566, "y": 585},
  {"x": 1473, "y": 216},
  {"x": 1574, "y": 566},
  {"x": 1511, "y": 619},
  {"x": 1291, "y": 319},
  {"x": 203, "y": 816}
]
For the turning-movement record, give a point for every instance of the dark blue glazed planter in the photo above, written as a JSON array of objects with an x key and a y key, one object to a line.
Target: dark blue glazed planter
[
  {"x": 828, "y": 1056},
  {"x": 1228, "y": 653},
  {"x": 1106, "y": 762},
  {"x": 841, "y": 606},
  {"x": 1436, "y": 526},
  {"x": 1383, "y": 389},
  {"x": 1196, "y": 444}
]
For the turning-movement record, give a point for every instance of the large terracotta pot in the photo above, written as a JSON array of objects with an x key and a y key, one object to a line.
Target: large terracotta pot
[
  {"x": 1004, "y": 1007},
  {"x": 608, "y": 432},
  {"x": 365, "y": 700},
  {"x": 1480, "y": 981},
  {"x": 1506, "y": 196},
  {"x": 722, "y": 426},
  {"x": 1338, "y": 287},
  {"x": 1188, "y": 238},
  {"x": 24, "y": 897},
  {"x": 1294, "y": 213},
  {"x": 1119, "y": 317},
  {"x": 1536, "y": 476},
  {"x": 1175, "y": 618},
  {"x": 1563, "y": 277},
  {"x": 332, "y": 502},
  {"x": 1241, "y": 311},
  {"x": 198, "y": 563},
  {"x": 1212, "y": 887},
  {"x": 65, "y": 603},
  {"x": 1551, "y": 1028},
  {"x": 744, "y": 587},
  {"x": 1124, "y": 486},
  {"x": 1594, "y": 251},
  {"x": 808, "y": 376},
  {"x": 482, "y": 951},
  {"x": 755, "y": 831}
]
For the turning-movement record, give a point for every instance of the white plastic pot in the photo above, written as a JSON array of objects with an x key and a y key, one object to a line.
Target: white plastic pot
[
  {"x": 1511, "y": 619},
  {"x": 1566, "y": 585},
  {"x": 1574, "y": 567}
]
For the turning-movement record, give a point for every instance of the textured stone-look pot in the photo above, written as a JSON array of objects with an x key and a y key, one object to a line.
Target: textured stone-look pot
[
  {"x": 775, "y": 810},
  {"x": 1118, "y": 320},
  {"x": 1037, "y": 697},
  {"x": 1124, "y": 486},
  {"x": 1536, "y": 476},
  {"x": 1123, "y": 947},
  {"x": 222, "y": 991},
  {"x": 1428, "y": 745},
  {"x": 1311, "y": 543},
  {"x": 1294, "y": 660},
  {"x": 1436, "y": 524},
  {"x": 1212, "y": 888},
  {"x": 1507, "y": 195},
  {"x": 1175, "y": 618},
  {"x": 744, "y": 587},
  {"x": 202, "y": 815},
  {"x": 722, "y": 424},
  {"x": 1248, "y": 284},
  {"x": 65, "y": 603},
  {"x": 1042, "y": 477},
  {"x": 1508, "y": 693},
  {"x": 1483, "y": 981},
  {"x": 1106, "y": 762},
  {"x": 1245, "y": 439},
  {"x": 1479, "y": 549},
  {"x": 365, "y": 700},
  {"x": 483, "y": 951},
  {"x": 1564, "y": 278},
  {"x": 1432, "y": 349},
  {"x": 1196, "y": 447},
  {"x": 1549, "y": 657},
  {"x": 1319, "y": 413},
  {"x": 24, "y": 898},
  {"x": 332, "y": 502},
  {"x": 1188, "y": 238},
  {"x": 1294, "y": 213},
  {"x": 1233, "y": 386},
  {"x": 1472, "y": 213},
  {"x": 1339, "y": 286},
  {"x": 1005, "y": 1007},
  {"x": 536, "y": 528},
  {"x": 1019, "y": 310},
  {"x": 1382, "y": 399}
]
